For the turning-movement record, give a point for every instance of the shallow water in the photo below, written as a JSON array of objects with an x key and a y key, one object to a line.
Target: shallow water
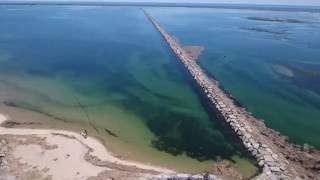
[
  {"x": 108, "y": 68},
  {"x": 268, "y": 60}
]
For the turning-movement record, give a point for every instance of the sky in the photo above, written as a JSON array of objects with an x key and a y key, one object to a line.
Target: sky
[{"x": 275, "y": 2}]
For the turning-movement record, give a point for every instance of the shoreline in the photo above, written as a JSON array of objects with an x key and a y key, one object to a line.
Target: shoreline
[
  {"x": 123, "y": 149},
  {"x": 96, "y": 150},
  {"x": 98, "y": 155},
  {"x": 124, "y": 146}
]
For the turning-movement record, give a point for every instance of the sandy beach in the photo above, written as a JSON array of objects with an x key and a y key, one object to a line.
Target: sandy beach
[{"x": 58, "y": 154}]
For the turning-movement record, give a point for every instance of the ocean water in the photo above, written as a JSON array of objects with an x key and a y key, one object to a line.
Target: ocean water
[
  {"x": 268, "y": 60},
  {"x": 108, "y": 69}
]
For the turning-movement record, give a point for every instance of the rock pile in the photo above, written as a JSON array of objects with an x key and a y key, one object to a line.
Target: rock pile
[
  {"x": 3, "y": 153},
  {"x": 184, "y": 177}
]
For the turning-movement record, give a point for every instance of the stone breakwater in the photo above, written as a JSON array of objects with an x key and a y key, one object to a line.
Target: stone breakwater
[{"x": 268, "y": 157}]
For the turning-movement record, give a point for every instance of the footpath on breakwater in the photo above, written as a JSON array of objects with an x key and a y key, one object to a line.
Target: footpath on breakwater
[{"x": 277, "y": 158}]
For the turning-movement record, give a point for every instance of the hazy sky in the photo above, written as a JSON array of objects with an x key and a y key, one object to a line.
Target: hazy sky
[{"x": 276, "y": 2}]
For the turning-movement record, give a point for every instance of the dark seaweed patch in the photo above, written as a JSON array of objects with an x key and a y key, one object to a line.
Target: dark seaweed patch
[
  {"x": 29, "y": 107},
  {"x": 110, "y": 132},
  {"x": 11, "y": 124}
]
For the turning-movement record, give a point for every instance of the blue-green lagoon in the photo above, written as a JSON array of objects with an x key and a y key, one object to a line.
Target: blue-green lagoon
[{"x": 107, "y": 70}]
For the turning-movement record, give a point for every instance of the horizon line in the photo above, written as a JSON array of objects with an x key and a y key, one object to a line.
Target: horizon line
[{"x": 148, "y": 3}]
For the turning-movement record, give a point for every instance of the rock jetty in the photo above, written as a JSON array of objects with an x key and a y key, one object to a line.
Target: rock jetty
[{"x": 272, "y": 163}]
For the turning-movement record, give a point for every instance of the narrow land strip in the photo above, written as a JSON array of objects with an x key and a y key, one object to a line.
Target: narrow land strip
[{"x": 271, "y": 150}]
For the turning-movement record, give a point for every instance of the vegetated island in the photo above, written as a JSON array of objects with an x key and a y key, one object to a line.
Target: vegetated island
[{"x": 280, "y": 20}]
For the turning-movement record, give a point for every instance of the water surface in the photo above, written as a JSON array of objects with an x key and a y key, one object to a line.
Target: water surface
[
  {"x": 268, "y": 60},
  {"x": 108, "y": 68}
]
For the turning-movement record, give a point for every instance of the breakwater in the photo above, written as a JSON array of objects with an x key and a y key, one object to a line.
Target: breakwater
[{"x": 268, "y": 156}]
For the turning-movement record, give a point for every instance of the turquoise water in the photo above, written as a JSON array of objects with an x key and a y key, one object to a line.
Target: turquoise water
[
  {"x": 268, "y": 60},
  {"x": 107, "y": 67}
]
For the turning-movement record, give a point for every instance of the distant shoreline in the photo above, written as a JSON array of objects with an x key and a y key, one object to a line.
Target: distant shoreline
[{"x": 295, "y": 8}]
